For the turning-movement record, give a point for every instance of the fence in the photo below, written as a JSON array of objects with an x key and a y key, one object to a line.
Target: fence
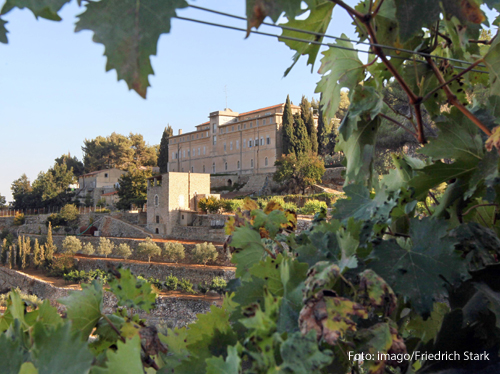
[{"x": 48, "y": 210}]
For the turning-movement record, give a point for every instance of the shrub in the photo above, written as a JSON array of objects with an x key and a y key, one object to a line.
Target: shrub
[
  {"x": 123, "y": 250},
  {"x": 186, "y": 285},
  {"x": 69, "y": 212},
  {"x": 28, "y": 299},
  {"x": 101, "y": 203},
  {"x": 88, "y": 249},
  {"x": 19, "y": 219},
  {"x": 231, "y": 206},
  {"x": 149, "y": 249},
  {"x": 203, "y": 253},
  {"x": 55, "y": 220},
  {"x": 60, "y": 265},
  {"x": 76, "y": 276},
  {"x": 203, "y": 287},
  {"x": 105, "y": 247},
  {"x": 71, "y": 245},
  {"x": 209, "y": 204},
  {"x": 218, "y": 285},
  {"x": 156, "y": 282},
  {"x": 171, "y": 282},
  {"x": 174, "y": 251},
  {"x": 312, "y": 207}
]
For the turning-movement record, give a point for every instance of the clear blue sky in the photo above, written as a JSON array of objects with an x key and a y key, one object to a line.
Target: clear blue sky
[{"x": 55, "y": 91}]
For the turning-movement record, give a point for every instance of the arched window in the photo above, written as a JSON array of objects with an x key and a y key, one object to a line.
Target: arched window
[
  {"x": 157, "y": 200},
  {"x": 251, "y": 163},
  {"x": 192, "y": 169},
  {"x": 265, "y": 162},
  {"x": 213, "y": 167},
  {"x": 238, "y": 164},
  {"x": 225, "y": 166}
]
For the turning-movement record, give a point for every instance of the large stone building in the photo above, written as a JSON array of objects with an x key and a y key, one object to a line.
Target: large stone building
[
  {"x": 172, "y": 198},
  {"x": 98, "y": 183},
  {"x": 245, "y": 143}
]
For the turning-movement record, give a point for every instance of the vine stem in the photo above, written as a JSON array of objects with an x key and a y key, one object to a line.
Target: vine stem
[
  {"x": 476, "y": 206},
  {"x": 453, "y": 99},
  {"x": 377, "y": 9},
  {"x": 111, "y": 324},
  {"x": 462, "y": 73}
]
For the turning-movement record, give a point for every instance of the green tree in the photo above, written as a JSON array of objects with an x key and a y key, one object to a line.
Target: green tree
[
  {"x": 133, "y": 188},
  {"x": 38, "y": 255},
  {"x": 149, "y": 249},
  {"x": 173, "y": 251},
  {"x": 204, "y": 252},
  {"x": 302, "y": 140},
  {"x": 22, "y": 192},
  {"x": 105, "y": 247},
  {"x": 5, "y": 250},
  {"x": 123, "y": 250},
  {"x": 288, "y": 129},
  {"x": 3, "y": 201},
  {"x": 164, "y": 157},
  {"x": 88, "y": 249},
  {"x": 306, "y": 114},
  {"x": 50, "y": 248},
  {"x": 323, "y": 134},
  {"x": 69, "y": 212},
  {"x": 301, "y": 171},
  {"x": 71, "y": 245},
  {"x": 71, "y": 163}
]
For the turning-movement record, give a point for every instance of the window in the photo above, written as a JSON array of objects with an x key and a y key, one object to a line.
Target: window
[
  {"x": 157, "y": 231},
  {"x": 263, "y": 122},
  {"x": 270, "y": 120},
  {"x": 245, "y": 126},
  {"x": 268, "y": 140},
  {"x": 251, "y": 125},
  {"x": 207, "y": 134},
  {"x": 231, "y": 146},
  {"x": 215, "y": 140},
  {"x": 250, "y": 144},
  {"x": 244, "y": 143},
  {"x": 199, "y": 153},
  {"x": 173, "y": 156},
  {"x": 232, "y": 128},
  {"x": 157, "y": 200},
  {"x": 257, "y": 123},
  {"x": 189, "y": 153},
  {"x": 182, "y": 170},
  {"x": 237, "y": 144},
  {"x": 251, "y": 163},
  {"x": 192, "y": 168},
  {"x": 192, "y": 137},
  {"x": 184, "y": 154},
  {"x": 204, "y": 150},
  {"x": 214, "y": 128},
  {"x": 256, "y": 142},
  {"x": 261, "y": 141},
  {"x": 157, "y": 219},
  {"x": 224, "y": 146},
  {"x": 213, "y": 167},
  {"x": 238, "y": 127},
  {"x": 105, "y": 175},
  {"x": 238, "y": 164},
  {"x": 265, "y": 161},
  {"x": 197, "y": 136},
  {"x": 194, "y": 152},
  {"x": 225, "y": 166},
  {"x": 203, "y": 168}
]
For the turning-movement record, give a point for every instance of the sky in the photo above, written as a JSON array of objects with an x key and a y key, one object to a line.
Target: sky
[{"x": 55, "y": 92}]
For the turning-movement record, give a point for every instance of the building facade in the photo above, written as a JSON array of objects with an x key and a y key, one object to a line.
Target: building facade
[
  {"x": 172, "y": 195},
  {"x": 231, "y": 142},
  {"x": 98, "y": 183}
]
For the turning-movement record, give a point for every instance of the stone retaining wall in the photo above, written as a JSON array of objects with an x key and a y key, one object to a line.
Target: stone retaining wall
[
  {"x": 196, "y": 274},
  {"x": 169, "y": 311},
  {"x": 198, "y": 233}
]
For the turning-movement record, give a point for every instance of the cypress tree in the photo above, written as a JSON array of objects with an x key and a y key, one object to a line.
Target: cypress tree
[
  {"x": 5, "y": 249},
  {"x": 36, "y": 254},
  {"x": 288, "y": 129},
  {"x": 314, "y": 138},
  {"x": 163, "y": 156},
  {"x": 306, "y": 115},
  {"x": 322, "y": 133},
  {"x": 303, "y": 143},
  {"x": 49, "y": 245},
  {"x": 12, "y": 256},
  {"x": 19, "y": 252}
]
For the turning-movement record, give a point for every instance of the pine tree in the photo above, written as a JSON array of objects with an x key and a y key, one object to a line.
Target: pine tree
[
  {"x": 288, "y": 129},
  {"x": 163, "y": 156},
  {"x": 303, "y": 143},
  {"x": 50, "y": 248},
  {"x": 5, "y": 251}
]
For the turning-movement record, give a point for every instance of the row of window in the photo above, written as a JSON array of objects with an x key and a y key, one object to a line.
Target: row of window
[
  {"x": 250, "y": 125},
  {"x": 266, "y": 163}
]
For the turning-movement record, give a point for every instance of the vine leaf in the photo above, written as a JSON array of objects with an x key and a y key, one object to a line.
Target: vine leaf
[
  {"x": 251, "y": 250},
  {"x": 126, "y": 359},
  {"x": 176, "y": 342},
  {"x": 66, "y": 350},
  {"x": 129, "y": 30},
  {"x": 41, "y": 8},
  {"x": 258, "y": 10},
  {"x": 132, "y": 292},
  {"x": 301, "y": 355},
  {"x": 341, "y": 68},
  {"x": 317, "y": 21},
  {"x": 375, "y": 292},
  {"x": 494, "y": 140},
  {"x": 375, "y": 340},
  {"x": 11, "y": 355},
  {"x": 412, "y": 15},
  {"x": 3, "y": 32},
  {"x": 492, "y": 62},
  {"x": 428, "y": 330},
  {"x": 84, "y": 307},
  {"x": 232, "y": 364},
  {"x": 418, "y": 272},
  {"x": 28, "y": 368}
]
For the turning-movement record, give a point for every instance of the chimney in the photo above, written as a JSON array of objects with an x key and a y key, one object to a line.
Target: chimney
[{"x": 180, "y": 131}]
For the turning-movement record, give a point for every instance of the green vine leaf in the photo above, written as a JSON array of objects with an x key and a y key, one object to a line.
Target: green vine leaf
[
  {"x": 130, "y": 31},
  {"x": 251, "y": 250},
  {"x": 28, "y": 368},
  {"x": 258, "y": 10},
  {"x": 340, "y": 68},
  {"x": 11, "y": 355},
  {"x": 418, "y": 273},
  {"x": 41, "y": 8},
  {"x": 84, "y": 307},
  {"x": 231, "y": 365},
  {"x": 412, "y": 15},
  {"x": 132, "y": 292},
  {"x": 317, "y": 21},
  {"x": 126, "y": 359},
  {"x": 66, "y": 350},
  {"x": 3, "y": 32}
]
